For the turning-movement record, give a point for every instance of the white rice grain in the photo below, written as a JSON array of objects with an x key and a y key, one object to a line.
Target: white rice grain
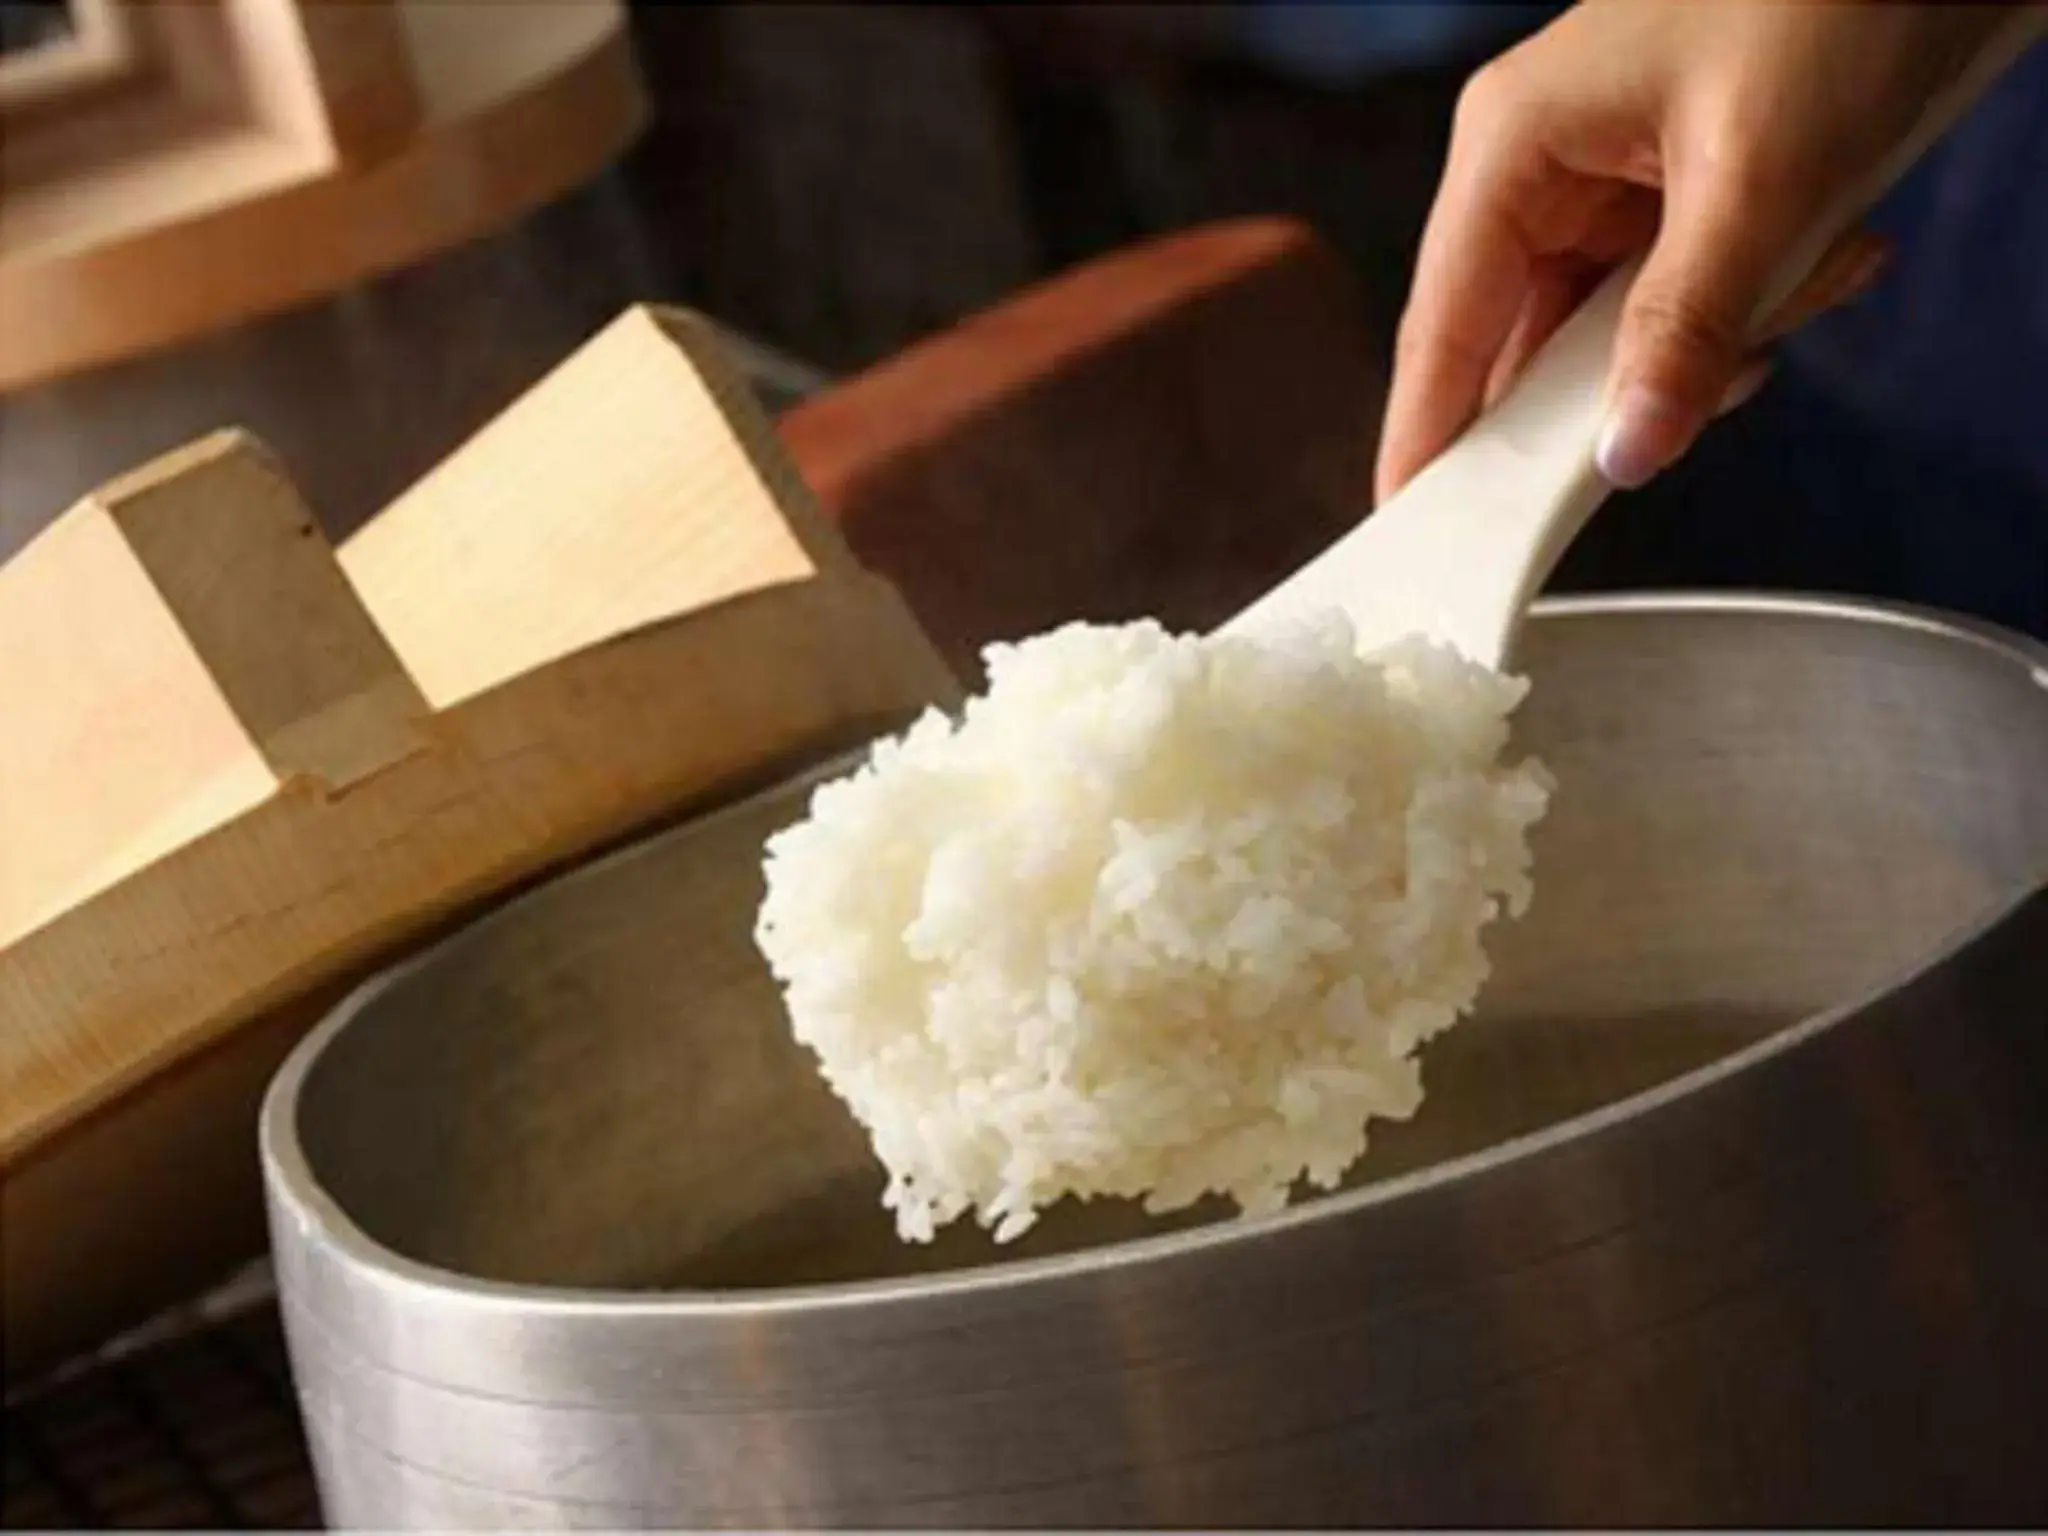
[{"x": 1160, "y": 916}]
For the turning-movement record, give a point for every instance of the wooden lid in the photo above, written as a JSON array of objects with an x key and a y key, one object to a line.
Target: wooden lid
[
  {"x": 173, "y": 169},
  {"x": 242, "y": 766}
]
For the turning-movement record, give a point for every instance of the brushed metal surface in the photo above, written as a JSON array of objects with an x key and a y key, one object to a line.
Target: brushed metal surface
[{"x": 1731, "y": 1205}]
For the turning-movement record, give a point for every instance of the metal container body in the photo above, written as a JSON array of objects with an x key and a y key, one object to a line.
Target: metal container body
[{"x": 1730, "y": 1206}]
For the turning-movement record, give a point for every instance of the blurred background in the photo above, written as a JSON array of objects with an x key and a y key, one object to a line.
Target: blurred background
[
  {"x": 943, "y": 156},
  {"x": 833, "y": 180},
  {"x": 1901, "y": 452},
  {"x": 836, "y": 181}
]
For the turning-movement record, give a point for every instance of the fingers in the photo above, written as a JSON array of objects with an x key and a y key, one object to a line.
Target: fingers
[
  {"x": 1850, "y": 268},
  {"x": 1686, "y": 333},
  {"x": 1754, "y": 375},
  {"x": 1456, "y": 324},
  {"x": 1684, "y": 330},
  {"x": 1471, "y": 277},
  {"x": 1435, "y": 398},
  {"x": 1555, "y": 290},
  {"x": 1612, "y": 221},
  {"x": 1516, "y": 239}
]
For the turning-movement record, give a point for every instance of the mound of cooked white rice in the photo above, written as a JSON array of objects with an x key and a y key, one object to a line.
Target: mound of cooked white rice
[{"x": 1158, "y": 916}]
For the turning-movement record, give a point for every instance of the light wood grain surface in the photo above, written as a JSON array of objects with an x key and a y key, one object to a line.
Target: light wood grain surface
[{"x": 615, "y": 603}]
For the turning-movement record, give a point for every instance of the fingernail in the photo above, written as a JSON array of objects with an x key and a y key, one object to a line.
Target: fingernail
[
  {"x": 1643, "y": 432},
  {"x": 1867, "y": 271},
  {"x": 1743, "y": 390}
]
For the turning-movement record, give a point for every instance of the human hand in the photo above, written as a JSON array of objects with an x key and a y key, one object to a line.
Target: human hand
[{"x": 1710, "y": 136}]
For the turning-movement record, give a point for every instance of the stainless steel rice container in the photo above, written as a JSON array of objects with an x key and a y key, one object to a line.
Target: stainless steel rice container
[{"x": 1731, "y": 1205}]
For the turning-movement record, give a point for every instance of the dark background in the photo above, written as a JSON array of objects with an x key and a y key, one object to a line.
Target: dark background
[
  {"x": 840, "y": 179},
  {"x": 843, "y": 179}
]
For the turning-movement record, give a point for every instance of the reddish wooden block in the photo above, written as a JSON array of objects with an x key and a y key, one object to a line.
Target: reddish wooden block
[{"x": 1166, "y": 431}]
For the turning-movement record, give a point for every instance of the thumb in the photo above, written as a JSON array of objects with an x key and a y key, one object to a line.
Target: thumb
[{"x": 1685, "y": 329}]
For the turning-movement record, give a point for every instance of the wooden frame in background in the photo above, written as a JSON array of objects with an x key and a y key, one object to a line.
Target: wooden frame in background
[
  {"x": 182, "y": 165},
  {"x": 99, "y": 54}
]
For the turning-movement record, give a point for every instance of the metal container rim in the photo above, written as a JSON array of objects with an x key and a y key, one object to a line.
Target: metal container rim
[{"x": 298, "y": 1195}]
